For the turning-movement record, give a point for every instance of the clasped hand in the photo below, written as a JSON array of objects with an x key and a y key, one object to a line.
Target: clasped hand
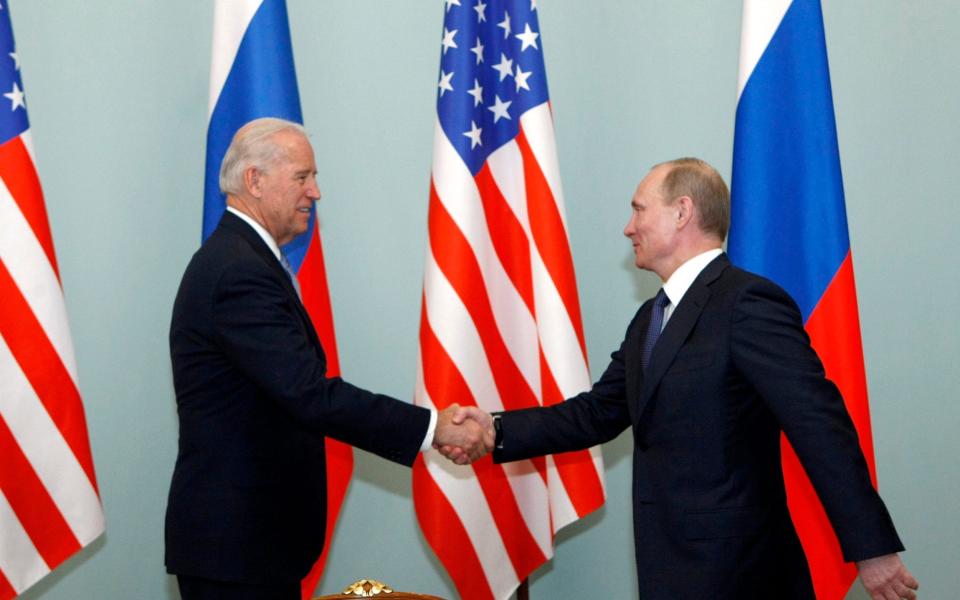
[{"x": 464, "y": 434}]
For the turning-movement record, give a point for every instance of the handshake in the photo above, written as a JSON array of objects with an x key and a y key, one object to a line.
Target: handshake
[{"x": 464, "y": 434}]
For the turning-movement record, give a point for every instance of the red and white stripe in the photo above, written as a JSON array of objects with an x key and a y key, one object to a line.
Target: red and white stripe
[
  {"x": 49, "y": 503},
  {"x": 500, "y": 328}
]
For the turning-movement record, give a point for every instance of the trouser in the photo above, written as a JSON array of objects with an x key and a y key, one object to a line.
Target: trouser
[{"x": 198, "y": 588}]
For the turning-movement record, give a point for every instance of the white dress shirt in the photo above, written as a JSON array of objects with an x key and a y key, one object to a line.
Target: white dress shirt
[
  {"x": 681, "y": 280},
  {"x": 263, "y": 233}
]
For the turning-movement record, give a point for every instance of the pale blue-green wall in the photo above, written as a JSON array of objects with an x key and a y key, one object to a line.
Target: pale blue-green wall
[{"x": 117, "y": 93}]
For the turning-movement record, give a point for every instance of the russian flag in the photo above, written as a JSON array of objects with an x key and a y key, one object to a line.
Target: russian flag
[
  {"x": 789, "y": 224},
  {"x": 252, "y": 75}
]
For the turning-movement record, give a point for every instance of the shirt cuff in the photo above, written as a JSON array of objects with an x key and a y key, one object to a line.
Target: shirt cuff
[{"x": 428, "y": 439}]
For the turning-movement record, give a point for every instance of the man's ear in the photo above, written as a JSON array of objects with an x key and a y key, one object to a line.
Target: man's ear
[
  {"x": 685, "y": 209},
  {"x": 251, "y": 181}
]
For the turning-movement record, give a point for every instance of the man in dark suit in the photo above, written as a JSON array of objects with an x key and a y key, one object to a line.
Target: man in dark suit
[
  {"x": 247, "y": 506},
  {"x": 709, "y": 374}
]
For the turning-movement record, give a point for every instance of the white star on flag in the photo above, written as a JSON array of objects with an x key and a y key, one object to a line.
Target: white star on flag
[
  {"x": 499, "y": 109},
  {"x": 444, "y": 84},
  {"x": 16, "y": 60},
  {"x": 474, "y": 135},
  {"x": 452, "y": 3},
  {"x": 478, "y": 50},
  {"x": 481, "y": 11},
  {"x": 528, "y": 37},
  {"x": 448, "y": 42},
  {"x": 476, "y": 92},
  {"x": 505, "y": 67},
  {"x": 505, "y": 25},
  {"x": 521, "y": 79},
  {"x": 16, "y": 97}
]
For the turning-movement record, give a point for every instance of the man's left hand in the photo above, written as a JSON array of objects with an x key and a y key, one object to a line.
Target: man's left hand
[{"x": 887, "y": 578}]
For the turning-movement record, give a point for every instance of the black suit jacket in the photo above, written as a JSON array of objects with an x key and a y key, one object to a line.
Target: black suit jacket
[
  {"x": 248, "y": 497},
  {"x": 731, "y": 370}
]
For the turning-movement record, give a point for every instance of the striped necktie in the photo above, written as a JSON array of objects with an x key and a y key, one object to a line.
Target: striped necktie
[{"x": 656, "y": 325}]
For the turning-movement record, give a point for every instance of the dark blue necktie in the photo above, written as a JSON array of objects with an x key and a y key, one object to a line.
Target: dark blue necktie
[{"x": 656, "y": 324}]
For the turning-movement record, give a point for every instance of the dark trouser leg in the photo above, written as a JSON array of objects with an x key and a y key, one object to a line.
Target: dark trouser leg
[{"x": 198, "y": 588}]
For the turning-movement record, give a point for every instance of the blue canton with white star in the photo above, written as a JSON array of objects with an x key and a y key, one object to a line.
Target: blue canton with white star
[
  {"x": 13, "y": 108},
  {"x": 491, "y": 72}
]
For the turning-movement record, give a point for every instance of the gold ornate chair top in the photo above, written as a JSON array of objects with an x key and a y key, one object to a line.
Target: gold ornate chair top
[{"x": 370, "y": 588}]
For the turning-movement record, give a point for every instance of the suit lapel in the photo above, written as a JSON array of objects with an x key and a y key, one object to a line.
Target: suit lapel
[
  {"x": 678, "y": 329},
  {"x": 235, "y": 224}
]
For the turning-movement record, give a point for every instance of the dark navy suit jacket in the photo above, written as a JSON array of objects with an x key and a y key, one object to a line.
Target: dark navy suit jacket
[
  {"x": 731, "y": 370},
  {"x": 248, "y": 497}
]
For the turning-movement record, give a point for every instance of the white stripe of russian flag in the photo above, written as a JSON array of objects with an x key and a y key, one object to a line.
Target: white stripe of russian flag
[
  {"x": 230, "y": 21},
  {"x": 761, "y": 18}
]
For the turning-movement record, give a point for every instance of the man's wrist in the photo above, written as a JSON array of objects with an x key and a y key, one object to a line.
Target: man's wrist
[
  {"x": 431, "y": 431},
  {"x": 497, "y": 432}
]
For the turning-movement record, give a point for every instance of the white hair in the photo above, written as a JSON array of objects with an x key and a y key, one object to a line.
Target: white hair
[{"x": 253, "y": 146}]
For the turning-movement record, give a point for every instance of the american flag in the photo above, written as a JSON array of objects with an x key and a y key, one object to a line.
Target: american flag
[
  {"x": 49, "y": 503},
  {"x": 500, "y": 325},
  {"x": 252, "y": 75}
]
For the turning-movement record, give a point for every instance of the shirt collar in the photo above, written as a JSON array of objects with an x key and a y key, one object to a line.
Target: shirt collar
[
  {"x": 263, "y": 233},
  {"x": 681, "y": 280}
]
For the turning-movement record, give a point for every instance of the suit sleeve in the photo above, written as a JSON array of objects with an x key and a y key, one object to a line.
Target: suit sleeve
[
  {"x": 259, "y": 328},
  {"x": 772, "y": 350},
  {"x": 591, "y": 418}
]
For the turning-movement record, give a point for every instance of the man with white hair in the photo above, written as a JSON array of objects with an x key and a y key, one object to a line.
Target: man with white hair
[{"x": 247, "y": 508}]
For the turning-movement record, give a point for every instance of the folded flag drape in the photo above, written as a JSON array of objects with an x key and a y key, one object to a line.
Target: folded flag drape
[
  {"x": 500, "y": 325},
  {"x": 49, "y": 502}
]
